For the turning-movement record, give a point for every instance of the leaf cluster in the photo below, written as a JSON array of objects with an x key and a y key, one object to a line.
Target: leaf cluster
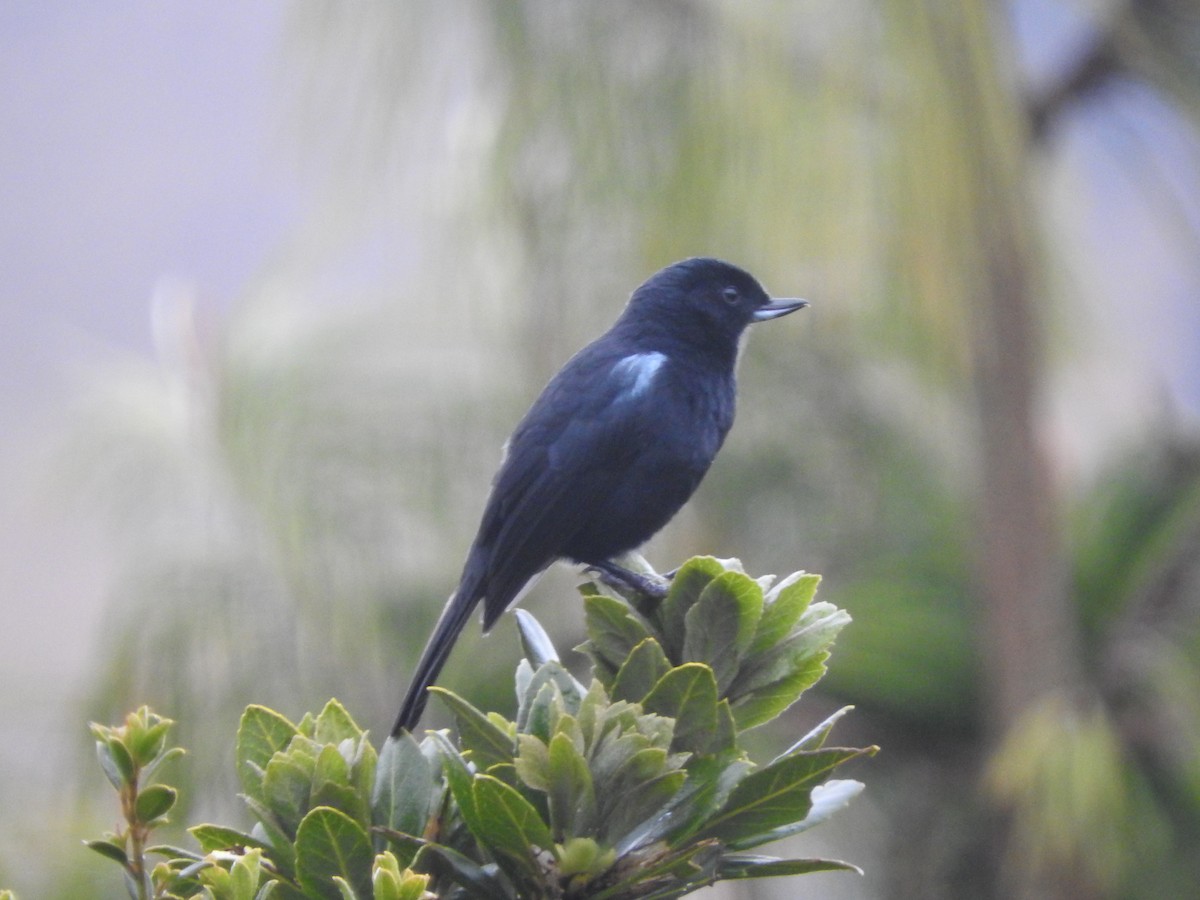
[
  {"x": 130, "y": 755},
  {"x": 634, "y": 785},
  {"x": 721, "y": 654}
]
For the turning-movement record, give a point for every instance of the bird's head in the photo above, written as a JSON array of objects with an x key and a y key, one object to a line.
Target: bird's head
[{"x": 704, "y": 302}]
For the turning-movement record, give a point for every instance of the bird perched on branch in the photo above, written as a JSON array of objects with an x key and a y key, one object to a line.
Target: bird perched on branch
[{"x": 610, "y": 451}]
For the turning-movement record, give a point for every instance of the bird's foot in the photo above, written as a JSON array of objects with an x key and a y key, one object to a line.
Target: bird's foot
[{"x": 654, "y": 587}]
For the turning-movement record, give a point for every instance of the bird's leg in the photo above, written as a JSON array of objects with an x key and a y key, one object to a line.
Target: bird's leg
[{"x": 653, "y": 586}]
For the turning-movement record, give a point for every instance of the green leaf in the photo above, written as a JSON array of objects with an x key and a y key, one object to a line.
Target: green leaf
[
  {"x": 817, "y": 735},
  {"x": 385, "y": 877},
  {"x": 775, "y": 796},
  {"x": 245, "y": 874},
  {"x": 109, "y": 849},
  {"x": 673, "y": 874},
  {"x": 388, "y": 882},
  {"x": 283, "y": 852},
  {"x": 261, "y": 734},
  {"x": 534, "y": 703},
  {"x": 216, "y": 880},
  {"x": 571, "y": 795},
  {"x": 621, "y": 736},
  {"x": 686, "y": 587},
  {"x": 768, "y": 702},
  {"x": 687, "y": 694},
  {"x": 816, "y": 633},
  {"x": 161, "y": 759},
  {"x": 583, "y": 856},
  {"x": 591, "y": 710},
  {"x": 510, "y": 829},
  {"x": 363, "y": 761},
  {"x": 747, "y": 865},
  {"x": 329, "y": 843},
  {"x": 782, "y": 609},
  {"x": 640, "y": 671},
  {"x": 287, "y": 789},
  {"x": 613, "y": 629},
  {"x": 533, "y": 762},
  {"x": 154, "y": 801},
  {"x": 343, "y": 886},
  {"x": 460, "y": 780},
  {"x": 720, "y": 625},
  {"x": 710, "y": 780},
  {"x": 218, "y": 837},
  {"x": 413, "y": 888},
  {"x": 331, "y": 766},
  {"x": 450, "y": 864},
  {"x": 145, "y": 744},
  {"x": 342, "y": 798},
  {"x": 335, "y": 725},
  {"x": 724, "y": 737},
  {"x": 122, "y": 762},
  {"x": 487, "y": 743},
  {"x": 827, "y": 799},
  {"x": 513, "y": 825},
  {"x": 111, "y": 770},
  {"x": 644, "y": 800},
  {"x": 540, "y": 714},
  {"x": 178, "y": 856},
  {"x": 402, "y": 796},
  {"x": 275, "y": 890}
]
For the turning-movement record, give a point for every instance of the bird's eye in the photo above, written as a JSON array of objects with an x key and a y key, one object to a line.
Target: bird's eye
[{"x": 730, "y": 295}]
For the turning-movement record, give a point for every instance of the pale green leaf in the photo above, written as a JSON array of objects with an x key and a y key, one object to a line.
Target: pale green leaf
[
  {"x": 329, "y": 843},
  {"x": 686, "y": 587},
  {"x": 613, "y": 629},
  {"x": 640, "y": 672},
  {"x": 782, "y": 609},
  {"x": 827, "y": 799},
  {"x": 261, "y": 734},
  {"x": 153, "y": 801},
  {"x": 335, "y": 725},
  {"x": 720, "y": 626},
  {"x": 769, "y": 701},
  {"x": 219, "y": 837},
  {"x": 511, "y": 830},
  {"x": 571, "y": 794},
  {"x": 746, "y": 865},
  {"x": 687, "y": 694},
  {"x": 775, "y": 796},
  {"x": 487, "y": 743},
  {"x": 403, "y": 789}
]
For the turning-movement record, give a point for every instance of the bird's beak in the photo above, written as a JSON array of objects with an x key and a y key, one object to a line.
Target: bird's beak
[{"x": 778, "y": 307}]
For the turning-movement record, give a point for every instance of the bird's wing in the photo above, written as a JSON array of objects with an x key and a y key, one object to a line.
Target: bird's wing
[{"x": 568, "y": 453}]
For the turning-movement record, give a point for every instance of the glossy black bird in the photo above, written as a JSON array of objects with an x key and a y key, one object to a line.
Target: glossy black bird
[{"x": 613, "y": 447}]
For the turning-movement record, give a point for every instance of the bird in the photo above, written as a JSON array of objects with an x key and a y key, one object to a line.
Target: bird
[{"x": 610, "y": 451}]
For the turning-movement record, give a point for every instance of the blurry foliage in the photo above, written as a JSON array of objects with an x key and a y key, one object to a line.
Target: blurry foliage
[{"x": 281, "y": 478}]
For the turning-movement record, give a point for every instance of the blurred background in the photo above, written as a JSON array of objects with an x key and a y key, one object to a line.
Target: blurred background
[{"x": 280, "y": 277}]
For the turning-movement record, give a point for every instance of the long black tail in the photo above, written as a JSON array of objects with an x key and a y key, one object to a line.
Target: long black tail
[{"x": 445, "y": 633}]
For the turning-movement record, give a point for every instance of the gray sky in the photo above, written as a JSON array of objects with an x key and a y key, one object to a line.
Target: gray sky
[
  {"x": 136, "y": 146},
  {"x": 139, "y": 142}
]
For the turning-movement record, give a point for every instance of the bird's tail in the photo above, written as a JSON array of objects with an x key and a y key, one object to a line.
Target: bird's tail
[{"x": 449, "y": 625}]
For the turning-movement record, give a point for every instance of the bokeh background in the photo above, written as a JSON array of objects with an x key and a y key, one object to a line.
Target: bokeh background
[{"x": 279, "y": 277}]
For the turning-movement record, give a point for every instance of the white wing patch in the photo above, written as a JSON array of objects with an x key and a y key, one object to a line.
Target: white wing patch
[{"x": 638, "y": 371}]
